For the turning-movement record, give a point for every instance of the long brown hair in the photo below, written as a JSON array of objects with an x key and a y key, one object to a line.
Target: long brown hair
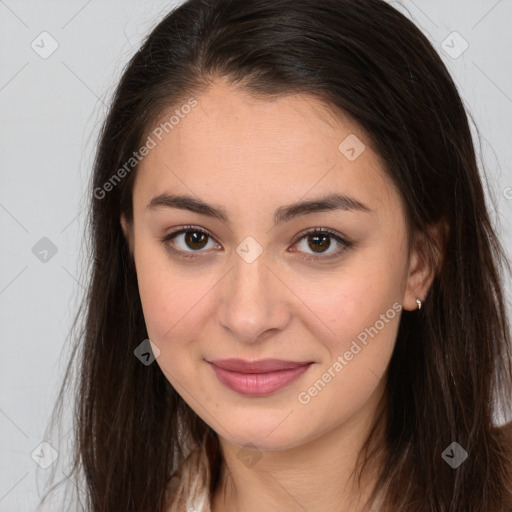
[{"x": 451, "y": 370}]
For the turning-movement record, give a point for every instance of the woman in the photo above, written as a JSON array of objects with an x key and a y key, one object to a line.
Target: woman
[{"x": 286, "y": 202}]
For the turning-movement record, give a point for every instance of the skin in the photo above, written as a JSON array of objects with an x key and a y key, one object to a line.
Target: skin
[{"x": 250, "y": 156}]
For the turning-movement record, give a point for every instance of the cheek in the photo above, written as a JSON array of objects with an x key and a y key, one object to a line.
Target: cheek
[
  {"x": 173, "y": 307},
  {"x": 354, "y": 373},
  {"x": 175, "y": 302},
  {"x": 362, "y": 323},
  {"x": 347, "y": 302},
  {"x": 357, "y": 317}
]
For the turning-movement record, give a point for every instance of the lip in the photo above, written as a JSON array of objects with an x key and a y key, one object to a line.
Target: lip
[{"x": 257, "y": 378}]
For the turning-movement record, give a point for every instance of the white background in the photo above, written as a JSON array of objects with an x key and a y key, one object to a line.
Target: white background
[{"x": 50, "y": 112}]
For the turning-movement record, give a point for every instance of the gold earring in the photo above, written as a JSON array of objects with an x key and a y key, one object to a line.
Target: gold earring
[{"x": 419, "y": 303}]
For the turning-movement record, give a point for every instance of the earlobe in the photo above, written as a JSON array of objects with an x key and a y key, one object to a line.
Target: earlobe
[
  {"x": 425, "y": 262},
  {"x": 419, "y": 279}
]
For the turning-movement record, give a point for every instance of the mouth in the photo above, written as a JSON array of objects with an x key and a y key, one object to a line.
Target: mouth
[{"x": 257, "y": 378}]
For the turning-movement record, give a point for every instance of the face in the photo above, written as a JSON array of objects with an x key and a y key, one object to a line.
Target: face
[{"x": 236, "y": 272}]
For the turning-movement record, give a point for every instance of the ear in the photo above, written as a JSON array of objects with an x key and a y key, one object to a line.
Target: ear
[
  {"x": 127, "y": 231},
  {"x": 425, "y": 262}
]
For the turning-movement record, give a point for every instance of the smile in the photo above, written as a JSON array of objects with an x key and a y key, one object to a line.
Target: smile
[{"x": 259, "y": 377}]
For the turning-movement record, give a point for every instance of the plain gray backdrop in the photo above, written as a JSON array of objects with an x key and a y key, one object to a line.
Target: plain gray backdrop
[{"x": 60, "y": 62}]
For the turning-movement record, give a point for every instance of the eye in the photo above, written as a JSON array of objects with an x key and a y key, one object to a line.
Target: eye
[
  {"x": 191, "y": 239},
  {"x": 319, "y": 241},
  {"x": 188, "y": 237}
]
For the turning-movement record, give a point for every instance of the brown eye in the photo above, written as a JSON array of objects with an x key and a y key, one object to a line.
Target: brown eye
[
  {"x": 319, "y": 243},
  {"x": 187, "y": 241},
  {"x": 195, "y": 239}
]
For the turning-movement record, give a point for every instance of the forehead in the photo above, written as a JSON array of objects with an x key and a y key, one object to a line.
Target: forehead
[{"x": 233, "y": 145}]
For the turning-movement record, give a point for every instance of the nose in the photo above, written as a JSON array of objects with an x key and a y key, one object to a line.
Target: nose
[{"x": 254, "y": 301}]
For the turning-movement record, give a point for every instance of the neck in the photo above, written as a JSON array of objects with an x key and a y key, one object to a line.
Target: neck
[{"x": 317, "y": 475}]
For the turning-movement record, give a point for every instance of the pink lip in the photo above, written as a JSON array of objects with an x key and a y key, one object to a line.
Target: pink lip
[{"x": 257, "y": 377}]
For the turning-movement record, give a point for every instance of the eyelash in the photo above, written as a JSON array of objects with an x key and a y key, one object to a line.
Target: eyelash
[
  {"x": 309, "y": 232},
  {"x": 314, "y": 231}
]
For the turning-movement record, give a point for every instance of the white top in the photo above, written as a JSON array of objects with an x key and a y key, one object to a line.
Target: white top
[{"x": 188, "y": 489}]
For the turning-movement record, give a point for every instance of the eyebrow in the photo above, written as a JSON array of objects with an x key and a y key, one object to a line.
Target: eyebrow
[{"x": 281, "y": 214}]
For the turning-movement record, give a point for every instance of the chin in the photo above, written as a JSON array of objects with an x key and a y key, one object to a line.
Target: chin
[
  {"x": 263, "y": 435},
  {"x": 261, "y": 443}
]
